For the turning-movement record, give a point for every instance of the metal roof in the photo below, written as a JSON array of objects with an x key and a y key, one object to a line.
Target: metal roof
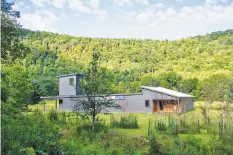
[
  {"x": 65, "y": 75},
  {"x": 167, "y": 91},
  {"x": 81, "y": 96},
  {"x": 60, "y": 97}
]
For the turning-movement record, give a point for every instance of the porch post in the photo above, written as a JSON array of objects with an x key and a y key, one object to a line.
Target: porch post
[
  {"x": 44, "y": 105},
  {"x": 56, "y": 104},
  {"x": 178, "y": 105}
]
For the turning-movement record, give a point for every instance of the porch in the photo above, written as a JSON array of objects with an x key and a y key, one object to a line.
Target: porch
[{"x": 166, "y": 106}]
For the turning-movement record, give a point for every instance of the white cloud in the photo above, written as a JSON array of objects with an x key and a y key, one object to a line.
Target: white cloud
[
  {"x": 56, "y": 3},
  {"x": 144, "y": 2},
  {"x": 144, "y": 15},
  {"x": 179, "y": 0},
  {"x": 90, "y": 7},
  {"x": 130, "y": 2},
  {"x": 78, "y": 5},
  {"x": 39, "y": 3},
  {"x": 159, "y": 5},
  {"x": 94, "y": 4},
  {"x": 43, "y": 20},
  {"x": 174, "y": 24},
  {"x": 211, "y": 2},
  {"x": 123, "y": 2},
  {"x": 63, "y": 15}
]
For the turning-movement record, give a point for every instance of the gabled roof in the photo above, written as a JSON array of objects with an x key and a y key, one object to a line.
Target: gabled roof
[
  {"x": 167, "y": 91},
  {"x": 65, "y": 75}
]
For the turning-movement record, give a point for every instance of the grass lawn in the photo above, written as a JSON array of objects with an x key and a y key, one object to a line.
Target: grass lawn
[
  {"x": 203, "y": 135},
  {"x": 143, "y": 120},
  {"x": 49, "y": 105}
]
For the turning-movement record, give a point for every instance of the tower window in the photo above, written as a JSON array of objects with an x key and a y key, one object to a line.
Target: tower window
[
  {"x": 147, "y": 103},
  {"x": 60, "y": 101},
  {"x": 71, "y": 81}
]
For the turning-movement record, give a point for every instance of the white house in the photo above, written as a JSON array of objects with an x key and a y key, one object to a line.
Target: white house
[{"x": 151, "y": 99}]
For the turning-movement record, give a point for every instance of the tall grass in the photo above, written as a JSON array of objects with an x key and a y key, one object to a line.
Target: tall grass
[{"x": 128, "y": 121}]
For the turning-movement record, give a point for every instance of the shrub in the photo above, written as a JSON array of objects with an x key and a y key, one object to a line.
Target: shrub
[
  {"x": 53, "y": 115},
  {"x": 27, "y": 151},
  {"x": 127, "y": 121},
  {"x": 87, "y": 127},
  {"x": 154, "y": 146},
  {"x": 161, "y": 127},
  {"x": 62, "y": 117}
]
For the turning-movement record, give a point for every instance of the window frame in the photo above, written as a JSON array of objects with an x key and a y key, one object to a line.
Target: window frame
[
  {"x": 71, "y": 81},
  {"x": 147, "y": 103}
]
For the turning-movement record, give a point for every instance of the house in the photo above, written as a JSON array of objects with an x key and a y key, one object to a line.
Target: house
[{"x": 151, "y": 99}]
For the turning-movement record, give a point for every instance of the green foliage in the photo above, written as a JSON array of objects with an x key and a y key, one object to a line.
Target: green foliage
[
  {"x": 32, "y": 130},
  {"x": 53, "y": 115},
  {"x": 127, "y": 121},
  {"x": 138, "y": 62},
  {"x": 154, "y": 146},
  {"x": 169, "y": 80},
  {"x": 96, "y": 86},
  {"x": 27, "y": 151},
  {"x": 11, "y": 46},
  {"x": 161, "y": 127},
  {"x": 16, "y": 86},
  {"x": 189, "y": 145},
  {"x": 86, "y": 127}
]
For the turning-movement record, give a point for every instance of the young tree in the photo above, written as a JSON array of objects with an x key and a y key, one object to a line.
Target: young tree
[
  {"x": 11, "y": 47},
  {"x": 212, "y": 90},
  {"x": 96, "y": 86}
]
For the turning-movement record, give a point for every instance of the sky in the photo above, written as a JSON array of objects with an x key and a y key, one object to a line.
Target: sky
[{"x": 139, "y": 19}]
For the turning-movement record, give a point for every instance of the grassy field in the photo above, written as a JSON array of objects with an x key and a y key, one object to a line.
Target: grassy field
[
  {"x": 143, "y": 120},
  {"x": 44, "y": 105}
]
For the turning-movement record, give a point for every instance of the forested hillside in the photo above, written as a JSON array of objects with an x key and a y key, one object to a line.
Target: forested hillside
[
  {"x": 133, "y": 62},
  {"x": 202, "y": 66}
]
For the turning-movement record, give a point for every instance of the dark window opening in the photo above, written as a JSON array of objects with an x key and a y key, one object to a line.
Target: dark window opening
[
  {"x": 60, "y": 101},
  {"x": 71, "y": 81},
  {"x": 147, "y": 103},
  {"x": 160, "y": 105}
]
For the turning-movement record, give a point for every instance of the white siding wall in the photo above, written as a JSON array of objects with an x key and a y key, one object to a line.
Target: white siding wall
[
  {"x": 65, "y": 88},
  {"x": 136, "y": 103}
]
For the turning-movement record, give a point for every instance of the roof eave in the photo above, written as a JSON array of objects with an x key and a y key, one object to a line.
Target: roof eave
[
  {"x": 66, "y": 75},
  {"x": 179, "y": 97}
]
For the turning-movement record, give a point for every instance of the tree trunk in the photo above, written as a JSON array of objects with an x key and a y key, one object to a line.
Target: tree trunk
[{"x": 93, "y": 123}]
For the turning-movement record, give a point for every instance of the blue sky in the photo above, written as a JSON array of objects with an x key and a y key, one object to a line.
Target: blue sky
[{"x": 140, "y": 19}]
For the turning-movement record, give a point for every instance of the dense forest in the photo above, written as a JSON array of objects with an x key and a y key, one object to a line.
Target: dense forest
[
  {"x": 202, "y": 66},
  {"x": 180, "y": 65}
]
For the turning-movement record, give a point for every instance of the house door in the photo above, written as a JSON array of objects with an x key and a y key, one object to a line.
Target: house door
[{"x": 155, "y": 109}]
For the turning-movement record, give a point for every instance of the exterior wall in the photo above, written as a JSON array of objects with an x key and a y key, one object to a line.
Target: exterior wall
[
  {"x": 67, "y": 105},
  {"x": 78, "y": 87},
  {"x": 65, "y": 88},
  {"x": 186, "y": 104},
  {"x": 136, "y": 103}
]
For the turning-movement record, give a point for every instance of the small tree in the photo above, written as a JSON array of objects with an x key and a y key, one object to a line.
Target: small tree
[{"x": 96, "y": 86}]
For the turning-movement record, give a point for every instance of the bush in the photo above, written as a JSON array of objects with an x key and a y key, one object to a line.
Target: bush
[
  {"x": 62, "y": 117},
  {"x": 154, "y": 146},
  {"x": 27, "y": 151},
  {"x": 87, "y": 127},
  {"x": 127, "y": 121},
  {"x": 161, "y": 127},
  {"x": 53, "y": 115}
]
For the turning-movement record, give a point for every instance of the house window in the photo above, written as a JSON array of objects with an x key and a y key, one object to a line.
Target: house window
[
  {"x": 71, "y": 81},
  {"x": 60, "y": 101},
  {"x": 160, "y": 105},
  {"x": 147, "y": 103}
]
